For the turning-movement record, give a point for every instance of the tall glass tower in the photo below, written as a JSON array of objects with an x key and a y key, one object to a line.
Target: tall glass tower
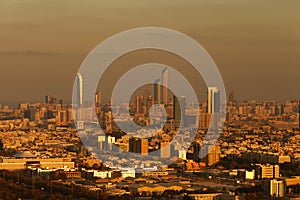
[
  {"x": 79, "y": 89},
  {"x": 157, "y": 92},
  {"x": 164, "y": 80}
]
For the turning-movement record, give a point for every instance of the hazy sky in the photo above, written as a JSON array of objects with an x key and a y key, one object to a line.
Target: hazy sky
[{"x": 255, "y": 43}]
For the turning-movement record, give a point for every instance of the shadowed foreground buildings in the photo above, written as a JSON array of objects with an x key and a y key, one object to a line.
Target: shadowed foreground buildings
[
  {"x": 275, "y": 187},
  {"x": 26, "y": 160},
  {"x": 206, "y": 153},
  {"x": 138, "y": 145}
]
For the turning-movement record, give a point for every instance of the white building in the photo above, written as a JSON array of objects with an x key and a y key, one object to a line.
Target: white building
[
  {"x": 213, "y": 100},
  {"x": 79, "y": 89},
  {"x": 182, "y": 154},
  {"x": 128, "y": 173},
  {"x": 277, "y": 188}
]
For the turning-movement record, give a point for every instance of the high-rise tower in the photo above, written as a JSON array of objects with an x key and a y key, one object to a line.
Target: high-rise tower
[
  {"x": 157, "y": 91},
  {"x": 139, "y": 103},
  {"x": 79, "y": 89},
  {"x": 47, "y": 99},
  {"x": 213, "y": 100},
  {"x": 210, "y": 154},
  {"x": 176, "y": 112},
  {"x": 98, "y": 98},
  {"x": 164, "y": 79}
]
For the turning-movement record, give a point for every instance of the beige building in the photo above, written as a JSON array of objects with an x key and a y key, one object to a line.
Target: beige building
[
  {"x": 155, "y": 173},
  {"x": 275, "y": 187},
  {"x": 210, "y": 154},
  {"x": 265, "y": 157},
  {"x": 266, "y": 171},
  {"x": 26, "y": 160},
  {"x": 292, "y": 180},
  {"x": 154, "y": 188}
]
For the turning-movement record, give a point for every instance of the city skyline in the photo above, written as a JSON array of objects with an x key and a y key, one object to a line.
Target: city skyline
[
  {"x": 258, "y": 147},
  {"x": 137, "y": 99},
  {"x": 160, "y": 94},
  {"x": 148, "y": 153}
]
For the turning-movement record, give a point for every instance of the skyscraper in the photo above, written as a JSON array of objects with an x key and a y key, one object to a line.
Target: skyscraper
[
  {"x": 146, "y": 93},
  {"x": 164, "y": 79},
  {"x": 182, "y": 101},
  {"x": 79, "y": 89},
  {"x": 165, "y": 151},
  {"x": 98, "y": 98},
  {"x": 149, "y": 102},
  {"x": 108, "y": 122},
  {"x": 47, "y": 99},
  {"x": 31, "y": 113},
  {"x": 210, "y": 154},
  {"x": 205, "y": 119},
  {"x": 213, "y": 100},
  {"x": 157, "y": 91},
  {"x": 196, "y": 151},
  {"x": 50, "y": 99},
  {"x": 231, "y": 98},
  {"x": 139, "y": 103},
  {"x": 176, "y": 112},
  {"x": 138, "y": 145}
]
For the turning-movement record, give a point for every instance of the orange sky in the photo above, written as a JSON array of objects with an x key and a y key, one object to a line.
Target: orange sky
[{"x": 255, "y": 43}]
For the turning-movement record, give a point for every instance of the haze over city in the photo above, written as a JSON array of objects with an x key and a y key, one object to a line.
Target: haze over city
[{"x": 255, "y": 44}]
